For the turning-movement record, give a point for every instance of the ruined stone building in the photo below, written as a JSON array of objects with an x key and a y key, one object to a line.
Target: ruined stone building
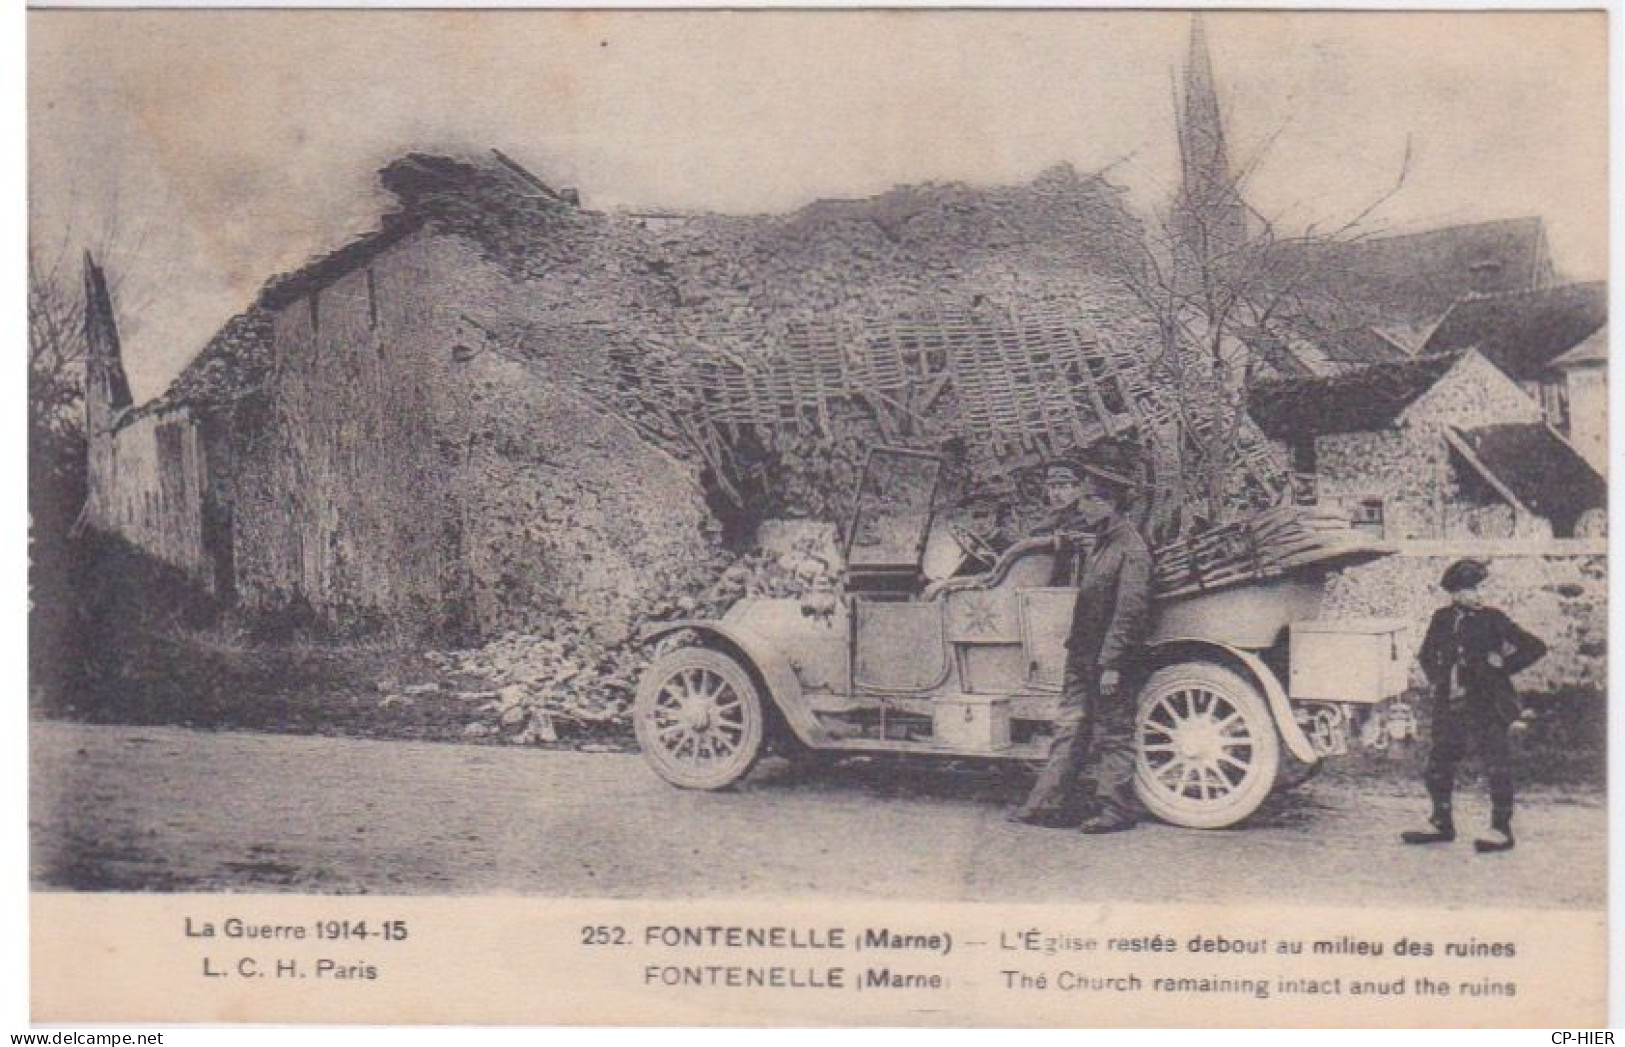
[{"x": 502, "y": 406}]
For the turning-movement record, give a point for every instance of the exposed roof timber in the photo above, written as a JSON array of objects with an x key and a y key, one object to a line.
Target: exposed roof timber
[
  {"x": 1459, "y": 445},
  {"x": 516, "y": 169}
]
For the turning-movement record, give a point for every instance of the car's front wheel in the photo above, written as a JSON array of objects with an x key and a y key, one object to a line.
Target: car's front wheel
[
  {"x": 1207, "y": 752},
  {"x": 698, "y": 718}
]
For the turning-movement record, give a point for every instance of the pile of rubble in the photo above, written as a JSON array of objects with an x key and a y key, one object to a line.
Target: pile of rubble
[{"x": 565, "y": 682}]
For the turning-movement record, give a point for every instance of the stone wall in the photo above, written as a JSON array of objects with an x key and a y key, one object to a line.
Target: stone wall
[
  {"x": 564, "y": 506},
  {"x": 1473, "y": 392},
  {"x": 408, "y": 467},
  {"x": 1426, "y": 494},
  {"x": 1405, "y": 472},
  {"x": 339, "y": 500},
  {"x": 151, "y": 490},
  {"x": 1558, "y": 592},
  {"x": 565, "y": 509},
  {"x": 1588, "y": 413}
]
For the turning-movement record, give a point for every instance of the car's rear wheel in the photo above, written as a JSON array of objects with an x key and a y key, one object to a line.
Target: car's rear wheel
[
  {"x": 698, "y": 718},
  {"x": 1206, "y": 748}
]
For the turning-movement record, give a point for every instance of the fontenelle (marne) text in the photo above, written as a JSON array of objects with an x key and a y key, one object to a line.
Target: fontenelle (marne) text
[{"x": 704, "y": 936}]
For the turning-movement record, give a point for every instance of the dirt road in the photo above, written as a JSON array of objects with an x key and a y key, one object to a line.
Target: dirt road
[{"x": 118, "y": 808}]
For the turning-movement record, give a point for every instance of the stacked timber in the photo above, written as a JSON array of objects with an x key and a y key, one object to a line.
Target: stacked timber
[{"x": 1262, "y": 546}]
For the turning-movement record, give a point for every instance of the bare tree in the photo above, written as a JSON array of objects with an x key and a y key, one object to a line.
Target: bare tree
[
  {"x": 56, "y": 361},
  {"x": 56, "y": 467},
  {"x": 1229, "y": 298},
  {"x": 56, "y": 345}
]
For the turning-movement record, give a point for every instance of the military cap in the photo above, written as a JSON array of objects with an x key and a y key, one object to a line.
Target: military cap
[
  {"x": 1056, "y": 468},
  {"x": 1078, "y": 469},
  {"x": 1110, "y": 477},
  {"x": 1464, "y": 574}
]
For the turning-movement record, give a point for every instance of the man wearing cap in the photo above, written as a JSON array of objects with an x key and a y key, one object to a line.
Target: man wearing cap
[
  {"x": 1064, "y": 518},
  {"x": 1110, "y": 620},
  {"x": 1469, "y": 655}
]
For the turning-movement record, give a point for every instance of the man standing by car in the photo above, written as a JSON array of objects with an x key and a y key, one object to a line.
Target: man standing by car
[
  {"x": 1064, "y": 519},
  {"x": 1105, "y": 649}
]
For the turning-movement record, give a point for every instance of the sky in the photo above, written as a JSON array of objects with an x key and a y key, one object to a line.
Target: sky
[{"x": 201, "y": 152}]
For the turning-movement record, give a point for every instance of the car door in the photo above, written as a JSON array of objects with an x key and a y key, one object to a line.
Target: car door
[{"x": 1046, "y": 619}]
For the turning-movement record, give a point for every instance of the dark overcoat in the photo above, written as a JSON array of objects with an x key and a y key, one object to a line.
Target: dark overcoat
[
  {"x": 1489, "y": 647},
  {"x": 1112, "y": 616}
]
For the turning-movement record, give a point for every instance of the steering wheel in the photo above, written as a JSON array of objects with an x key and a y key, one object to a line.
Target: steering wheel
[{"x": 975, "y": 545}]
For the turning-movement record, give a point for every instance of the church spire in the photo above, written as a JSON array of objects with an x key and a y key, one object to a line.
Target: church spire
[
  {"x": 107, "y": 389},
  {"x": 107, "y": 394},
  {"x": 1210, "y": 214}
]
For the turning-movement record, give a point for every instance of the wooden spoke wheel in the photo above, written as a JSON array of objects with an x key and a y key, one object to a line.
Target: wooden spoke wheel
[
  {"x": 698, "y": 718},
  {"x": 1206, "y": 748}
]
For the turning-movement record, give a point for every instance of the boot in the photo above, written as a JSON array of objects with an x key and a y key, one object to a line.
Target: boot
[
  {"x": 1443, "y": 831},
  {"x": 1041, "y": 818},
  {"x": 1108, "y": 820},
  {"x": 1500, "y": 834}
]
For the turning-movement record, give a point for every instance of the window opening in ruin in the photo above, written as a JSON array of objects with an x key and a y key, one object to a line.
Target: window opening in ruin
[
  {"x": 1553, "y": 398},
  {"x": 1367, "y": 516},
  {"x": 315, "y": 313},
  {"x": 1485, "y": 275},
  {"x": 1304, "y": 459}
]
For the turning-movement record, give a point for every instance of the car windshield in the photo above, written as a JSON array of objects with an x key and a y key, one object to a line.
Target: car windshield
[{"x": 893, "y": 510}]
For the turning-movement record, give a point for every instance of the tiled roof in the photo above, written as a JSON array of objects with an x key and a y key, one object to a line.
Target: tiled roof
[
  {"x": 234, "y": 364},
  {"x": 281, "y": 290},
  {"x": 1522, "y": 333},
  {"x": 1415, "y": 277},
  {"x": 1593, "y": 350},
  {"x": 1359, "y": 347}
]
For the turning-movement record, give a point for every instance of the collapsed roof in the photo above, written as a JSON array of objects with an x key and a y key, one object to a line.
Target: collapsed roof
[{"x": 772, "y": 312}]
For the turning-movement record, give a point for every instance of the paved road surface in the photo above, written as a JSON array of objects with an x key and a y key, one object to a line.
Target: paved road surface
[{"x": 116, "y": 808}]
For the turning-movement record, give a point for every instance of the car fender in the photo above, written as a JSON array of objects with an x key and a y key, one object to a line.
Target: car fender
[
  {"x": 1182, "y": 648},
  {"x": 758, "y": 656}
]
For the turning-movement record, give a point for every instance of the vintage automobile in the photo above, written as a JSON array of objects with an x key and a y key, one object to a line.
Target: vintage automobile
[{"x": 970, "y": 666}]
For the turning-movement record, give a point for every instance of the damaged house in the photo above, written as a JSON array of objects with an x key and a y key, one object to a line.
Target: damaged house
[
  {"x": 1551, "y": 341},
  {"x": 500, "y": 406},
  {"x": 1430, "y": 394},
  {"x": 1436, "y": 446}
]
